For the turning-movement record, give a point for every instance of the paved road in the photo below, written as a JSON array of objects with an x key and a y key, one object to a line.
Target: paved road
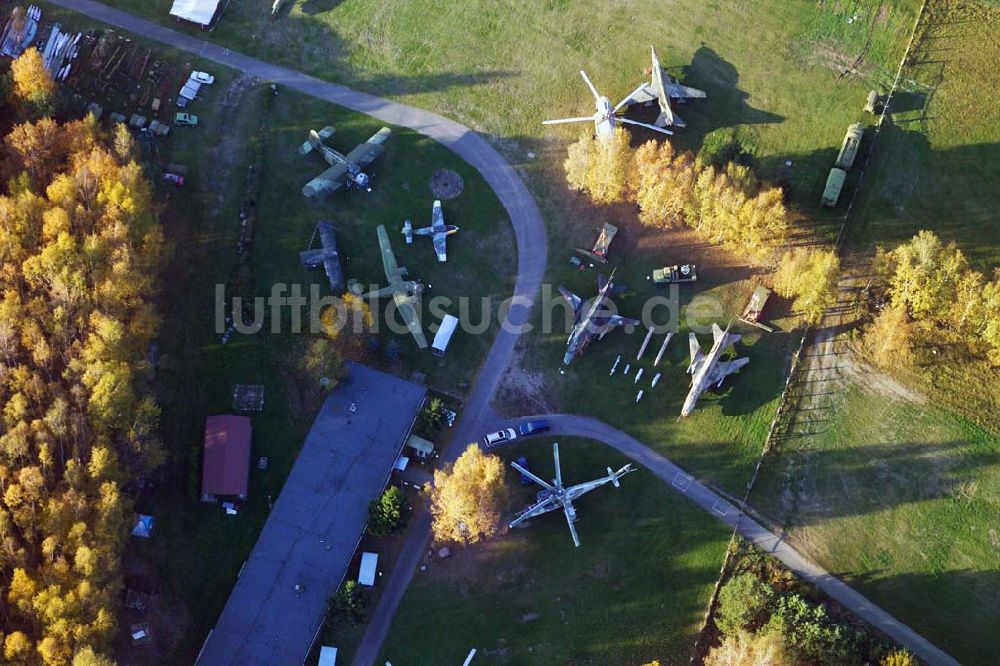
[{"x": 532, "y": 252}]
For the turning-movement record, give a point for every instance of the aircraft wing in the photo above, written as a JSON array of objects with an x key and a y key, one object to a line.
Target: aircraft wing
[
  {"x": 537, "y": 509},
  {"x": 618, "y": 320},
  {"x": 723, "y": 369},
  {"x": 405, "y": 306},
  {"x": 644, "y": 93},
  {"x": 365, "y": 153},
  {"x": 696, "y": 354},
  {"x": 572, "y": 298},
  {"x": 441, "y": 246},
  {"x": 327, "y": 182},
  {"x": 677, "y": 91},
  {"x": 388, "y": 258}
]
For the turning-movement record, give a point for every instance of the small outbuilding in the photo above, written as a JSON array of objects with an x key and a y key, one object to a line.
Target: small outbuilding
[
  {"x": 369, "y": 566},
  {"x": 443, "y": 335},
  {"x": 200, "y": 12},
  {"x": 226, "y": 468},
  {"x": 421, "y": 447}
]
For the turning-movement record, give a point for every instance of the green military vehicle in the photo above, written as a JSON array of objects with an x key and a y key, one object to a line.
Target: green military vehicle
[
  {"x": 675, "y": 274},
  {"x": 834, "y": 183},
  {"x": 849, "y": 149}
]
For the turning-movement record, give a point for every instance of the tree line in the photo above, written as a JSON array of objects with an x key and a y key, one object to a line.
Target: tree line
[
  {"x": 80, "y": 250},
  {"x": 727, "y": 204}
]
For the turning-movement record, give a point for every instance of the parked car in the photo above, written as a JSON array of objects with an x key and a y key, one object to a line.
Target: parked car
[
  {"x": 499, "y": 437},
  {"x": 185, "y": 120},
  {"x": 174, "y": 178},
  {"x": 202, "y": 77},
  {"x": 182, "y": 102},
  {"x": 533, "y": 427}
]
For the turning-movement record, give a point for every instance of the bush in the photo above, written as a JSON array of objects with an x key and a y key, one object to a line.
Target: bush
[
  {"x": 347, "y": 605},
  {"x": 809, "y": 632},
  {"x": 743, "y": 603},
  {"x": 389, "y": 513},
  {"x": 432, "y": 417}
]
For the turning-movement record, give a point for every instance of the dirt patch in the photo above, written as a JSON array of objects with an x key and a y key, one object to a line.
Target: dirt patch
[
  {"x": 522, "y": 389},
  {"x": 230, "y": 141},
  {"x": 884, "y": 384},
  {"x": 446, "y": 184}
]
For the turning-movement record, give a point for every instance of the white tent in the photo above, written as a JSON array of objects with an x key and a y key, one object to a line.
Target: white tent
[
  {"x": 196, "y": 11},
  {"x": 369, "y": 562}
]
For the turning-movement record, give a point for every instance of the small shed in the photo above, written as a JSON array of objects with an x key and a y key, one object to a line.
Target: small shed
[
  {"x": 200, "y": 12},
  {"x": 226, "y": 467},
  {"x": 369, "y": 565},
  {"x": 327, "y": 656},
  {"x": 443, "y": 335},
  {"x": 422, "y": 447}
]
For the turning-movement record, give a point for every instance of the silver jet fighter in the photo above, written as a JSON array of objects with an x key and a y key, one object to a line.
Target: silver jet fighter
[
  {"x": 662, "y": 88},
  {"x": 344, "y": 169},
  {"x": 555, "y": 496},
  {"x": 605, "y": 117},
  {"x": 710, "y": 369},
  {"x": 592, "y": 319},
  {"x": 438, "y": 231}
]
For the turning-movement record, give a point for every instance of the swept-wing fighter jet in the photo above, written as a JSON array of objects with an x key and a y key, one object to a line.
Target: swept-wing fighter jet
[
  {"x": 594, "y": 318},
  {"x": 326, "y": 255},
  {"x": 403, "y": 292},
  {"x": 605, "y": 117},
  {"x": 438, "y": 231},
  {"x": 555, "y": 496},
  {"x": 708, "y": 370},
  {"x": 344, "y": 169},
  {"x": 662, "y": 88}
]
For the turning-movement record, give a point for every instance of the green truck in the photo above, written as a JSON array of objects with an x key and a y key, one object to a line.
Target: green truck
[
  {"x": 849, "y": 149},
  {"x": 185, "y": 120}
]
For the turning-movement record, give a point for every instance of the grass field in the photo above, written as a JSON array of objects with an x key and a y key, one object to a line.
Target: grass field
[{"x": 648, "y": 559}]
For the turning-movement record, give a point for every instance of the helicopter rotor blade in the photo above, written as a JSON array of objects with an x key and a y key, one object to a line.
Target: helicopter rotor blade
[
  {"x": 555, "y": 455},
  {"x": 590, "y": 85},
  {"x": 581, "y": 119},
  {"x": 646, "y": 125}
]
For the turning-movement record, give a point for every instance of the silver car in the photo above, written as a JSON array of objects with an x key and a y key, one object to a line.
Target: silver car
[{"x": 499, "y": 437}]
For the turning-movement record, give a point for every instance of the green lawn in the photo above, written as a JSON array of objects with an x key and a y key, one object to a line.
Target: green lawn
[
  {"x": 901, "y": 495},
  {"x": 636, "y": 589}
]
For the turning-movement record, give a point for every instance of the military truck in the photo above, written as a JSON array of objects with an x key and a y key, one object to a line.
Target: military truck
[
  {"x": 849, "y": 149},
  {"x": 834, "y": 183},
  {"x": 675, "y": 274}
]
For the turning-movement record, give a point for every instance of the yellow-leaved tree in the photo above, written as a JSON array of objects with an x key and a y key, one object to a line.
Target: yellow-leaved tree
[
  {"x": 810, "y": 277},
  {"x": 600, "y": 168},
  {"x": 468, "y": 498},
  {"x": 32, "y": 82}
]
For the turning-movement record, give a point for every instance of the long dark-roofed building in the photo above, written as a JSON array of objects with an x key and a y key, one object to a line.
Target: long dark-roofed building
[{"x": 277, "y": 606}]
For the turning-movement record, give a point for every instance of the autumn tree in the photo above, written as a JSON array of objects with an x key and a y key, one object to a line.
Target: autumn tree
[
  {"x": 348, "y": 323},
  {"x": 468, "y": 498},
  {"x": 888, "y": 341},
  {"x": 321, "y": 364},
  {"x": 32, "y": 82},
  {"x": 810, "y": 277},
  {"x": 746, "y": 649},
  {"x": 600, "y": 167}
]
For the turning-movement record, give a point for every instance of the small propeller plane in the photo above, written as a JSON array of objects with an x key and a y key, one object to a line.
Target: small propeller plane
[
  {"x": 605, "y": 117},
  {"x": 326, "y": 255},
  {"x": 708, "y": 370},
  {"x": 344, "y": 169},
  {"x": 555, "y": 496},
  {"x": 594, "y": 318},
  {"x": 662, "y": 88},
  {"x": 438, "y": 231},
  {"x": 404, "y": 292}
]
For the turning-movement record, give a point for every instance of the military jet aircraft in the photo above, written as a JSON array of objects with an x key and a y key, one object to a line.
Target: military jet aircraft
[
  {"x": 605, "y": 117},
  {"x": 708, "y": 370},
  {"x": 344, "y": 169},
  {"x": 325, "y": 255},
  {"x": 555, "y": 496},
  {"x": 592, "y": 319},
  {"x": 404, "y": 293},
  {"x": 662, "y": 88},
  {"x": 438, "y": 231}
]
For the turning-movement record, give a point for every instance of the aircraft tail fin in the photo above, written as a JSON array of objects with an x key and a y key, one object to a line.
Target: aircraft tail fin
[
  {"x": 655, "y": 73},
  {"x": 695, "y": 351},
  {"x": 408, "y": 232}
]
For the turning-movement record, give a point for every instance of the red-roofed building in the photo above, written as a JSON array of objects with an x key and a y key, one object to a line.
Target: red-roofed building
[{"x": 226, "y": 467}]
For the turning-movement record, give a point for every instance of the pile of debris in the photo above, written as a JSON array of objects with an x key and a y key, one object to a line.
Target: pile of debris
[
  {"x": 59, "y": 52},
  {"x": 20, "y": 31}
]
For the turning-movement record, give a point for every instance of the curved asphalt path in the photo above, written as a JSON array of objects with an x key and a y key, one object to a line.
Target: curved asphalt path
[{"x": 532, "y": 253}]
